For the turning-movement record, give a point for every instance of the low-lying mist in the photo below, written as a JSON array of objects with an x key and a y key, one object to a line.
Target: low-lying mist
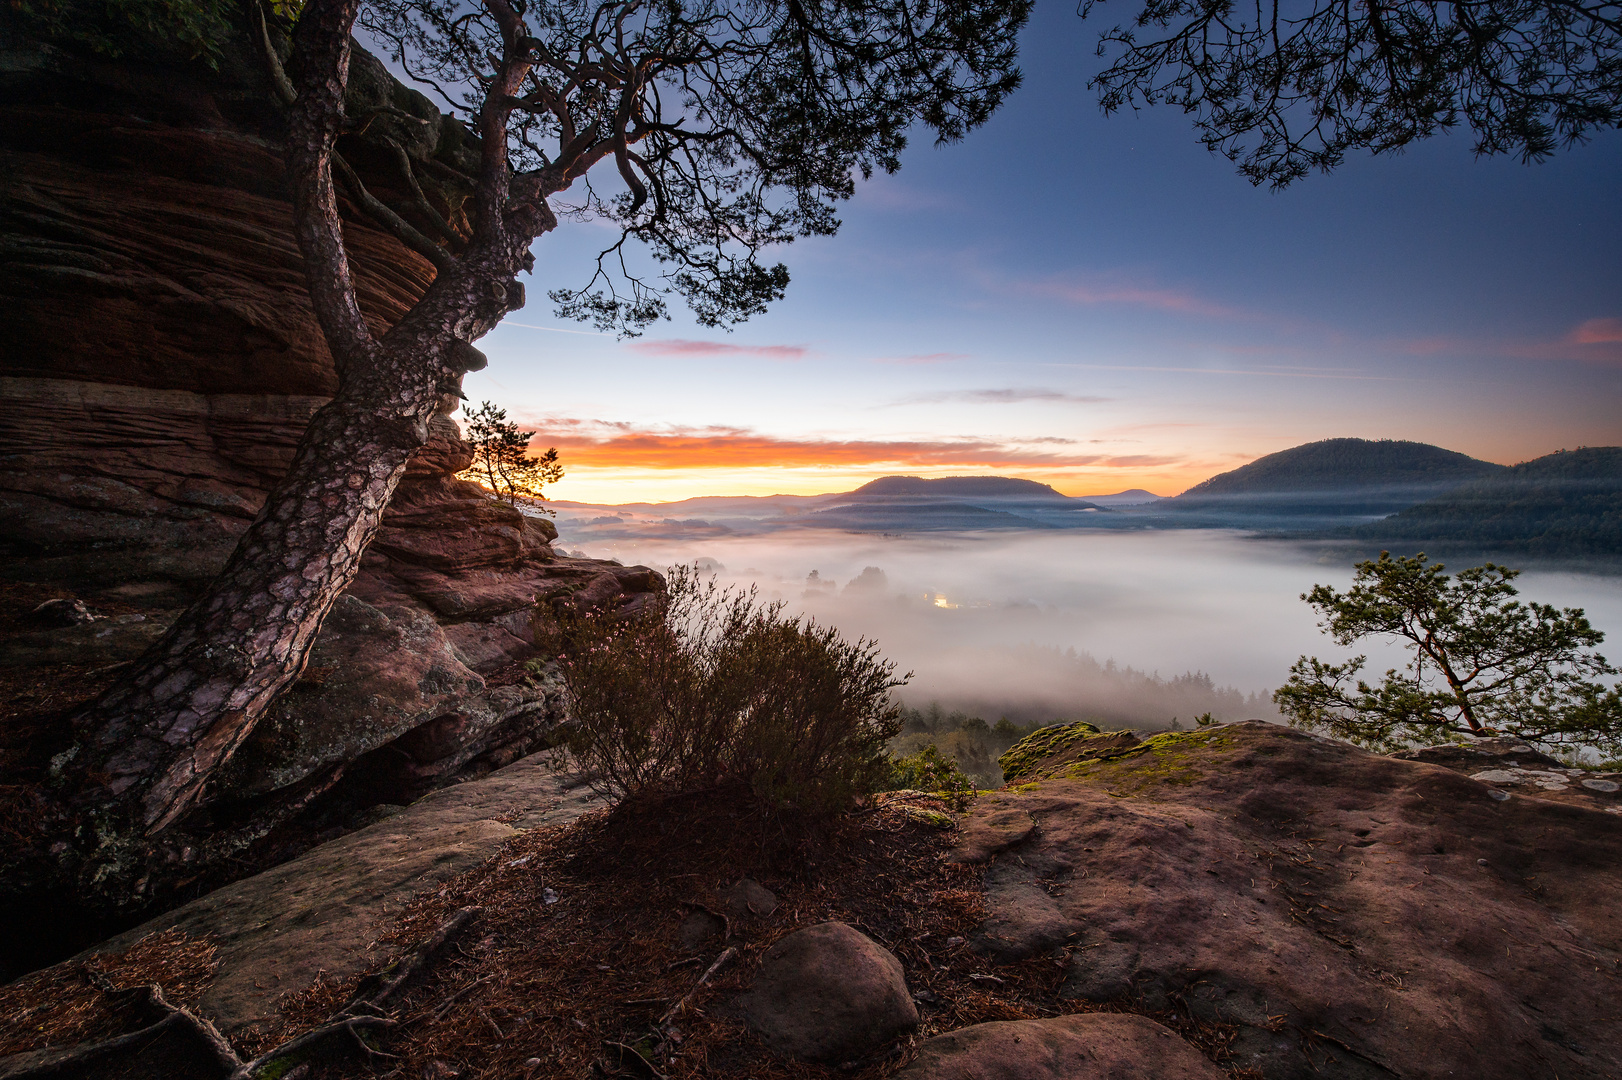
[{"x": 1131, "y": 629}]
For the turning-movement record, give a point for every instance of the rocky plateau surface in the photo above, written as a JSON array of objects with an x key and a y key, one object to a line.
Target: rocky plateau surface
[
  {"x": 1356, "y": 915},
  {"x": 1339, "y": 914}
]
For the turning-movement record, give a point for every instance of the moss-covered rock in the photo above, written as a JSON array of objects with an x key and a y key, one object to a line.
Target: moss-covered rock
[
  {"x": 1039, "y": 745},
  {"x": 924, "y": 816},
  {"x": 1174, "y": 757}
]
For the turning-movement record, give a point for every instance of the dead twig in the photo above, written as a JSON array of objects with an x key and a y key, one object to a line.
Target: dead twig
[
  {"x": 637, "y": 1056},
  {"x": 729, "y": 954}
]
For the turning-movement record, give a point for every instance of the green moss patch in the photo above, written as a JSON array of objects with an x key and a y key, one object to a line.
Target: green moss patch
[
  {"x": 1041, "y": 744},
  {"x": 932, "y": 818},
  {"x": 1174, "y": 757}
]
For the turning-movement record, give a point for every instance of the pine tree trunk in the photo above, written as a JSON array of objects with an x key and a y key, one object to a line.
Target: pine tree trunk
[
  {"x": 145, "y": 752},
  {"x": 149, "y": 745}
]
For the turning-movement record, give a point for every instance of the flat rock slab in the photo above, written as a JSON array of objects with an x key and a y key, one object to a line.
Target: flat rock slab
[
  {"x": 996, "y": 829},
  {"x": 1354, "y": 915},
  {"x": 1512, "y": 766},
  {"x": 1090, "y": 1046},
  {"x": 318, "y": 912},
  {"x": 829, "y": 993}
]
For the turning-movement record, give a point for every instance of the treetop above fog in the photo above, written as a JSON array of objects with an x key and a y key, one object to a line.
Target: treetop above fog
[{"x": 731, "y": 125}]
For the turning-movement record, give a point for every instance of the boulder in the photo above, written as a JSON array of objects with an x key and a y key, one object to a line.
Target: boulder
[
  {"x": 1086, "y": 1046},
  {"x": 1352, "y": 915},
  {"x": 983, "y": 835},
  {"x": 829, "y": 993},
  {"x": 1511, "y": 765},
  {"x": 748, "y": 899},
  {"x": 87, "y": 644}
]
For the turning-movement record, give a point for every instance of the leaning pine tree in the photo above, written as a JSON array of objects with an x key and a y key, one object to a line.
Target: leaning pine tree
[
  {"x": 729, "y": 125},
  {"x": 1483, "y": 663}
]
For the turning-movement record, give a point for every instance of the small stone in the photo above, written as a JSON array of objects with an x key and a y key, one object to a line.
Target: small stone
[
  {"x": 1498, "y": 796},
  {"x": 831, "y": 994},
  {"x": 749, "y": 897},
  {"x": 1481, "y": 862},
  {"x": 698, "y": 929},
  {"x": 1601, "y": 785},
  {"x": 1496, "y": 776},
  {"x": 549, "y": 896}
]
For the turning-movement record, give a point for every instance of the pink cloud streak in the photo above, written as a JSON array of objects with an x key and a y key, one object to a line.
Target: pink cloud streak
[
  {"x": 686, "y": 347},
  {"x": 1598, "y": 332}
]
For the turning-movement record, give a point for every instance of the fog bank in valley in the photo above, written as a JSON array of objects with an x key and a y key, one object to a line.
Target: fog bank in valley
[{"x": 1127, "y": 627}]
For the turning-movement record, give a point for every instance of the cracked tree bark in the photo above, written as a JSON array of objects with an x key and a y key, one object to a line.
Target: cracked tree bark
[{"x": 145, "y": 752}]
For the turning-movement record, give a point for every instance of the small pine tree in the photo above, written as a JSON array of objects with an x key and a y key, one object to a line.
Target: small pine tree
[
  {"x": 501, "y": 460},
  {"x": 1482, "y": 663}
]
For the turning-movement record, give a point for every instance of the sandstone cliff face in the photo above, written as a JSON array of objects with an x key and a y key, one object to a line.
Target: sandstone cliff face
[{"x": 159, "y": 364}]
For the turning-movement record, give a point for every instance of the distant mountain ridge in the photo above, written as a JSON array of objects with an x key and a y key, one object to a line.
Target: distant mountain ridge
[
  {"x": 949, "y": 503},
  {"x": 1336, "y": 465},
  {"x": 1565, "y": 504},
  {"x": 956, "y": 487},
  {"x": 1130, "y": 497},
  {"x": 1403, "y": 494}
]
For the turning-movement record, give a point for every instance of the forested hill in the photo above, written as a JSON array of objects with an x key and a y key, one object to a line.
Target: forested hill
[
  {"x": 1344, "y": 465},
  {"x": 958, "y": 487},
  {"x": 1566, "y": 504}
]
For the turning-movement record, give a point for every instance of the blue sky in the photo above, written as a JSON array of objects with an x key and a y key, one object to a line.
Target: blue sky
[{"x": 1099, "y": 303}]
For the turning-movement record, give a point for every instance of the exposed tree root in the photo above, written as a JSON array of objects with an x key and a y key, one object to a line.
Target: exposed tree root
[{"x": 183, "y": 1046}]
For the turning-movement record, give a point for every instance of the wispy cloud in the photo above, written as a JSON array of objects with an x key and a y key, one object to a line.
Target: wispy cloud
[
  {"x": 1001, "y": 396},
  {"x": 1259, "y": 372},
  {"x": 554, "y": 329},
  {"x": 885, "y": 192},
  {"x": 1597, "y": 332},
  {"x": 686, "y": 347},
  {"x": 922, "y": 358},
  {"x": 1114, "y": 293},
  {"x": 1589, "y": 341}
]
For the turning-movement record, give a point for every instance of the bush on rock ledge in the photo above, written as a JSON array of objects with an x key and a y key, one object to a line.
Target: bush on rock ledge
[{"x": 718, "y": 691}]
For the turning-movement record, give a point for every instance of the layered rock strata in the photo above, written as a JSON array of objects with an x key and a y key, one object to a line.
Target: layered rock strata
[{"x": 160, "y": 363}]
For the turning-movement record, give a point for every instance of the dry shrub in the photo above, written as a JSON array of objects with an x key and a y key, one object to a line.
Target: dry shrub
[{"x": 717, "y": 691}]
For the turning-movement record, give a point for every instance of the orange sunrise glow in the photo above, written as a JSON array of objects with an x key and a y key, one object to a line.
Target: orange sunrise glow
[{"x": 645, "y": 467}]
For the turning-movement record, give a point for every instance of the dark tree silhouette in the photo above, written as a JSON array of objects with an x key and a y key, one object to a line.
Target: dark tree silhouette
[
  {"x": 1287, "y": 86},
  {"x": 501, "y": 459},
  {"x": 732, "y": 125}
]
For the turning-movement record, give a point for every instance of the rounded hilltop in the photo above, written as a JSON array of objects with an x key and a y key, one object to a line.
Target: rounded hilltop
[
  {"x": 980, "y": 487},
  {"x": 1345, "y": 464}
]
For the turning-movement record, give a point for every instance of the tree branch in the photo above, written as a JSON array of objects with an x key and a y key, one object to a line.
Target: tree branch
[
  {"x": 401, "y": 229},
  {"x": 321, "y": 47}
]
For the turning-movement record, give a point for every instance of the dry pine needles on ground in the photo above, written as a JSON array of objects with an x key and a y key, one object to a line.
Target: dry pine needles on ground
[
  {"x": 577, "y": 956},
  {"x": 575, "y": 965},
  {"x": 77, "y": 1002}
]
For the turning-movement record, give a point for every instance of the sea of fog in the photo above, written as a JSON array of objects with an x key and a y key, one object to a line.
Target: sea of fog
[{"x": 1042, "y": 625}]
